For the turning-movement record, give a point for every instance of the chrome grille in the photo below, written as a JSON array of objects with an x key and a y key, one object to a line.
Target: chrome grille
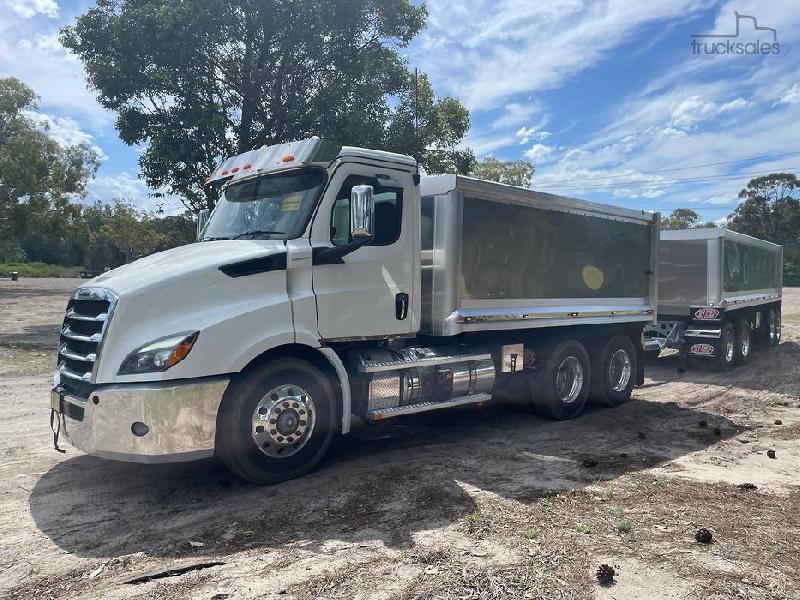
[{"x": 85, "y": 322}]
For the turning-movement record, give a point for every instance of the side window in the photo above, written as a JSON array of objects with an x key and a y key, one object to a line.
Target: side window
[{"x": 388, "y": 212}]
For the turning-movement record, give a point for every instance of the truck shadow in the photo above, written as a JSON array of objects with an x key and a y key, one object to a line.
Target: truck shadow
[
  {"x": 758, "y": 374},
  {"x": 378, "y": 483}
]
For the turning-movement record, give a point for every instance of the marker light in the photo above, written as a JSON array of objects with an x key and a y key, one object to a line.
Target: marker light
[
  {"x": 247, "y": 166},
  {"x": 288, "y": 158},
  {"x": 235, "y": 170}
]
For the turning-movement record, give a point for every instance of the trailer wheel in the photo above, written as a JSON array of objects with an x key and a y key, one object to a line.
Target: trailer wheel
[
  {"x": 563, "y": 382},
  {"x": 773, "y": 327},
  {"x": 744, "y": 342},
  {"x": 276, "y": 422},
  {"x": 613, "y": 371},
  {"x": 727, "y": 348}
]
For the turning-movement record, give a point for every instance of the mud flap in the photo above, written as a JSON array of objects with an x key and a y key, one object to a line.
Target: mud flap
[{"x": 55, "y": 419}]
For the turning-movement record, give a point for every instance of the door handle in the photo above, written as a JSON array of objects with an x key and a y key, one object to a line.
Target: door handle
[{"x": 401, "y": 306}]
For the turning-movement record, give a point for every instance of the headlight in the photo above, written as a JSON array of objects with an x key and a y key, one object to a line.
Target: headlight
[{"x": 159, "y": 355}]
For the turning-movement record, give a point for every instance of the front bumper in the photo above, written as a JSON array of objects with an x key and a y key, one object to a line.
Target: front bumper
[{"x": 181, "y": 419}]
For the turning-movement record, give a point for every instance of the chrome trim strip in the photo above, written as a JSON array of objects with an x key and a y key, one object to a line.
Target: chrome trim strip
[
  {"x": 524, "y": 314},
  {"x": 385, "y": 413},
  {"x": 703, "y": 333},
  {"x": 67, "y": 353},
  {"x": 378, "y": 367},
  {"x": 67, "y": 372},
  {"x": 102, "y": 317},
  {"x": 94, "y": 338}
]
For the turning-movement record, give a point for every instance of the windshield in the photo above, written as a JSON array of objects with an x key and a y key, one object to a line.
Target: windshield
[{"x": 273, "y": 206}]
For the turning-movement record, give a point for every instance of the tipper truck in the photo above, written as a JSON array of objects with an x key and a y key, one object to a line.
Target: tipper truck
[
  {"x": 719, "y": 291},
  {"x": 331, "y": 282}
]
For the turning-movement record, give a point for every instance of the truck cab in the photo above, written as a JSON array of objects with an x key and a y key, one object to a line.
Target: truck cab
[{"x": 304, "y": 302}]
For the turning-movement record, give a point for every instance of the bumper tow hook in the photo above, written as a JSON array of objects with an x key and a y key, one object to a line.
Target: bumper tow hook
[{"x": 56, "y": 429}]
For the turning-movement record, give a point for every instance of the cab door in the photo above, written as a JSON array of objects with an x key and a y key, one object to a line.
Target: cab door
[{"x": 371, "y": 292}]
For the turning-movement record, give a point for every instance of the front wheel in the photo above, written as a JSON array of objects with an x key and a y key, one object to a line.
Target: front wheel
[
  {"x": 563, "y": 382},
  {"x": 613, "y": 371},
  {"x": 276, "y": 422}
]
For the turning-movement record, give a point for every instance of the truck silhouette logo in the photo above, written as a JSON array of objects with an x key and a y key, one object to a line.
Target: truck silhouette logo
[{"x": 727, "y": 47}]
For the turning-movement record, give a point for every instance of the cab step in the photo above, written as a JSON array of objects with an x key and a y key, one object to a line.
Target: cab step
[{"x": 379, "y": 414}]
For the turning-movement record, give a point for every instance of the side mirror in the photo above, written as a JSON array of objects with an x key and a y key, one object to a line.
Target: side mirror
[
  {"x": 362, "y": 213},
  {"x": 202, "y": 219}
]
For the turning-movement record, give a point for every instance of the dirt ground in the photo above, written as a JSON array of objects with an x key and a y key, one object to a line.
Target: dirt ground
[{"x": 491, "y": 503}]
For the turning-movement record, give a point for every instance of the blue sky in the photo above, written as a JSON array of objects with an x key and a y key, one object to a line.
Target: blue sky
[{"x": 605, "y": 97}]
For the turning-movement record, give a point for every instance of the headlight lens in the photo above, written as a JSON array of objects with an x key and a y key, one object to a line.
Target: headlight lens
[{"x": 159, "y": 355}]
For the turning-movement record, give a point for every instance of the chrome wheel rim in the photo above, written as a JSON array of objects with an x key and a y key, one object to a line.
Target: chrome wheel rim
[
  {"x": 729, "y": 348},
  {"x": 569, "y": 380},
  {"x": 774, "y": 328},
  {"x": 744, "y": 346},
  {"x": 283, "y": 421},
  {"x": 619, "y": 370}
]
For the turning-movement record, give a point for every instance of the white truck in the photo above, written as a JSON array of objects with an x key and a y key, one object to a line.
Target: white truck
[
  {"x": 332, "y": 282},
  {"x": 719, "y": 291}
]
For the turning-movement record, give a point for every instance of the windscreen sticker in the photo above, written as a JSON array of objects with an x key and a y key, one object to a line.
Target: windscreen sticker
[{"x": 292, "y": 203}]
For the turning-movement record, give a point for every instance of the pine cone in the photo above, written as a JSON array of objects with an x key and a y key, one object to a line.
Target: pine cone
[
  {"x": 747, "y": 486},
  {"x": 704, "y": 536},
  {"x": 605, "y": 574}
]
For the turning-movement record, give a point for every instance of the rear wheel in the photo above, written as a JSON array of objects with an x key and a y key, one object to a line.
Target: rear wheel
[
  {"x": 744, "y": 342},
  {"x": 613, "y": 368},
  {"x": 727, "y": 348},
  {"x": 276, "y": 422},
  {"x": 773, "y": 327},
  {"x": 563, "y": 382}
]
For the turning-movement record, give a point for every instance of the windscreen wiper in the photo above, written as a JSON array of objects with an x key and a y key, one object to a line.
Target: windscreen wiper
[{"x": 258, "y": 232}]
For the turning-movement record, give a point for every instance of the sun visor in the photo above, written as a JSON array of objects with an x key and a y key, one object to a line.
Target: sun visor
[{"x": 268, "y": 158}]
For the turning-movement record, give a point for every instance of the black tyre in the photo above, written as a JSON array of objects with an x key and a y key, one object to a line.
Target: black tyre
[
  {"x": 276, "y": 422},
  {"x": 726, "y": 349},
  {"x": 562, "y": 385},
  {"x": 614, "y": 365},
  {"x": 773, "y": 327},
  {"x": 744, "y": 342}
]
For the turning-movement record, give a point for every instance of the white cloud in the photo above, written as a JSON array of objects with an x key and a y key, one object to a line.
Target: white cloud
[
  {"x": 30, "y": 51},
  {"x": 487, "y": 52},
  {"x": 538, "y": 152},
  {"x": 130, "y": 187},
  {"x": 30, "y": 8},
  {"x": 790, "y": 96},
  {"x": 691, "y": 111},
  {"x": 67, "y": 132},
  {"x": 734, "y": 105},
  {"x": 530, "y": 134}
]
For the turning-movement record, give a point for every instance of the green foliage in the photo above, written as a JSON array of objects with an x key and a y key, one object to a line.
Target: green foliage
[
  {"x": 684, "y": 218},
  {"x": 200, "y": 80},
  {"x": 36, "y": 269},
  {"x": 583, "y": 528},
  {"x": 623, "y": 525},
  {"x": 512, "y": 172},
  {"x": 38, "y": 176},
  {"x": 770, "y": 210}
]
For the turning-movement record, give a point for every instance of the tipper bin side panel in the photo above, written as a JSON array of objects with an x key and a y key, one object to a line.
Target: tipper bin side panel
[
  {"x": 749, "y": 268},
  {"x": 682, "y": 276},
  {"x": 515, "y": 252},
  {"x": 517, "y": 259}
]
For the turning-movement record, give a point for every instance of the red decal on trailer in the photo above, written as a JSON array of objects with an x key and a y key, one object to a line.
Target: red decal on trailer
[
  {"x": 702, "y": 349},
  {"x": 705, "y": 314}
]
